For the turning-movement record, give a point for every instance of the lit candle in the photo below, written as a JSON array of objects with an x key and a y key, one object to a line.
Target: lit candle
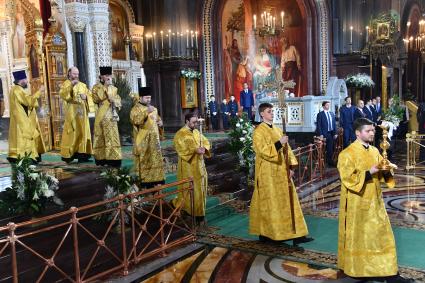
[
  {"x": 187, "y": 38},
  {"x": 406, "y": 44},
  {"x": 411, "y": 42},
  {"x": 196, "y": 39},
  {"x": 282, "y": 14},
  {"x": 262, "y": 19},
  {"x": 255, "y": 21},
  {"x": 191, "y": 39},
  {"x": 351, "y": 34},
  {"x": 268, "y": 19},
  {"x": 162, "y": 40},
  {"x": 274, "y": 22},
  {"x": 367, "y": 34}
]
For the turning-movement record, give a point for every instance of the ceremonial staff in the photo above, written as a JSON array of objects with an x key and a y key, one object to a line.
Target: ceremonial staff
[
  {"x": 282, "y": 107},
  {"x": 203, "y": 179}
]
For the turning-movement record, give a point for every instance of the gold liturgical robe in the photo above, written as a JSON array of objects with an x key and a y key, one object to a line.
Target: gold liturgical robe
[
  {"x": 148, "y": 160},
  {"x": 190, "y": 164},
  {"x": 106, "y": 140},
  {"x": 76, "y": 137},
  {"x": 366, "y": 245},
  {"x": 275, "y": 209},
  {"x": 24, "y": 130}
]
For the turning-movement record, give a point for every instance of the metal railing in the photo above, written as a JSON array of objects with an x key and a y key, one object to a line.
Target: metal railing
[
  {"x": 311, "y": 163},
  {"x": 415, "y": 145},
  {"x": 87, "y": 243}
]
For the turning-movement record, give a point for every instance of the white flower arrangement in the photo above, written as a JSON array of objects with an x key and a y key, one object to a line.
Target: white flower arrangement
[
  {"x": 31, "y": 190},
  {"x": 190, "y": 74},
  {"x": 241, "y": 143},
  {"x": 359, "y": 80}
]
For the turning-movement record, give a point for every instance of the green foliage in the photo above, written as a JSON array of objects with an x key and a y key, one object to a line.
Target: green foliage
[
  {"x": 241, "y": 143},
  {"x": 395, "y": 111},
  {"x": 31, "y": 190},
  {"x": 118, "y": 181},
  {"x": 124, "y": 126},
  {"x": 190, "y": 74}
]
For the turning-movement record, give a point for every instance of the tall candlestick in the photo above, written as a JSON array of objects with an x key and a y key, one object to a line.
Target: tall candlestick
[
  {"x": 196, "y": 39},
  {"x": 262, "y": 19},
  {"x": 351, "y": 34},
  {"x": 255, "y": 21},
  {"x": 274, "y": 22},
  {"x": 282, "y": 14},
  {"x": 187, "y": 38}
]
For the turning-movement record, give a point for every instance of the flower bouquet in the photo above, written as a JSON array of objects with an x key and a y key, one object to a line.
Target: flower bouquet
[
  {"x": 241, "y": 143},
  {"x": 31, "y": 190}
]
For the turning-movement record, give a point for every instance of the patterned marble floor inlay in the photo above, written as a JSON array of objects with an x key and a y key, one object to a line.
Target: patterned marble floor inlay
[
  {"x": 223, "y": 265},
  {"x": 405, "y": 203}
]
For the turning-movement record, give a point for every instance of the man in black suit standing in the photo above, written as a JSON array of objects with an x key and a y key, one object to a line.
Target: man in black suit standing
[
  {"x": 359, "y": 113},
  {"x": 247, "y": 100},
  {"x": 326, "y": 128},
  {"x": 368, "y": 111},
  {"x": 213, "y": 107}
]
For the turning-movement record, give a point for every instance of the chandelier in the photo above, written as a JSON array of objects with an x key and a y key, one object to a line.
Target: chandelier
[{"x": 267, "y": 26}]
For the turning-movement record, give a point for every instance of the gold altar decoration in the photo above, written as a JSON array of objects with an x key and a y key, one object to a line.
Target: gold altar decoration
[
  {"x": 415, "y": 143},
  {"x": 385, "y": 164},
  {"x": 36, "y": 70},
  {"x": 55, "y": 48}
]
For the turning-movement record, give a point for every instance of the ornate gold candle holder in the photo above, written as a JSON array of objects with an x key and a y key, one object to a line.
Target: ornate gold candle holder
[{"x": 385, "y": 164}]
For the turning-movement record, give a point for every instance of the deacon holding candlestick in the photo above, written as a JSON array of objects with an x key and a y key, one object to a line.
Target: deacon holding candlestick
[
  {"x": 366, "y": 245},
  {"x": 192, "y": 147}
]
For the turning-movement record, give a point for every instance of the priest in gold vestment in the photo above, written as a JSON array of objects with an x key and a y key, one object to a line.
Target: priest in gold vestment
[
  {"x": 106, "y": 139},
  {"x": 24, "y": 130},
  {"x": 192, "y": 148},
  {"x": 148, "y": 160},
  {"x": 275, "y": 214},
  {"x": 76, "y": 136},
  {"x": 366, "y": 245}
]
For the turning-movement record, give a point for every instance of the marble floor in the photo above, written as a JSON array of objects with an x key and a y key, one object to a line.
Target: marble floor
[{"x": 226, "y": 265}]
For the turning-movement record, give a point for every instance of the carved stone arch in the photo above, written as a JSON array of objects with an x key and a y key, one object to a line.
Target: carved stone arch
[
  {"x": 317, "y": 15},
  {"x": 126, "y": 6}
]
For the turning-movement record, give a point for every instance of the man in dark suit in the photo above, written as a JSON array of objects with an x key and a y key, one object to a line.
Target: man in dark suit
[
  {"x": 359, "y": 113},
  {"x": 233, "y": 107},
  {"x": 377, "y": 105},
  {"x": 326, "y": 128},
  {"x": 346, "y": 114},
  {"x": 213, "y": 107},
  {"x": 225, "y": 113},
  {"x": 247, "y": 100},
  {"x": 370, "y": 111}
]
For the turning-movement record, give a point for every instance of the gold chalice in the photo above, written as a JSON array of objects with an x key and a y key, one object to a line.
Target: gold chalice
[{"x": 385, "y": 164}]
